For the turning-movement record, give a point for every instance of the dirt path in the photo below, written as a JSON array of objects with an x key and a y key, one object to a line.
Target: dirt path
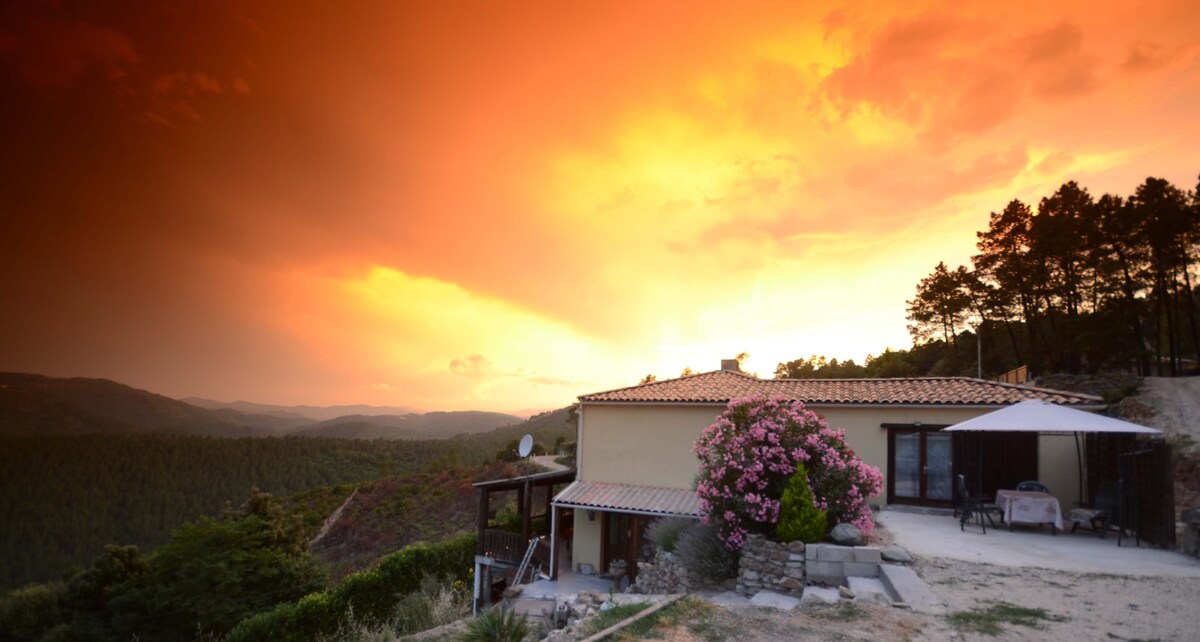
[
  {"x": 332, "y": 519},
  {"x": 1176, "y": 405}
]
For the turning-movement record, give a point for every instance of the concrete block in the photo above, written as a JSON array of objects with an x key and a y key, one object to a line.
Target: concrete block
[
  {"x": 831, "y": 553},
  {"x": 860, "y": 569},
  {"x": 825, "y": 568},
  {"x": 907, "y": 587},
  {"x": 868, "y": 554}
]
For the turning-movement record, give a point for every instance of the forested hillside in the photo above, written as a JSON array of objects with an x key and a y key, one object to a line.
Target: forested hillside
[
  {"x": 432, "y": 425},
  {"x": 36, "y": 405},
  {"x": 63, "y": 497}
]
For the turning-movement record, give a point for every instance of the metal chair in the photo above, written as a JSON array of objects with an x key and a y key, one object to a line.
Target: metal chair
[
  {"x": 977, "y": 505},
  {"x": 1105, "y": 509},
  {"x": 1035, "y": 486}
]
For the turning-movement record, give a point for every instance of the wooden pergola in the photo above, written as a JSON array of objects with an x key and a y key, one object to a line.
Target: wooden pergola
[{"x": 501, "y": 549}]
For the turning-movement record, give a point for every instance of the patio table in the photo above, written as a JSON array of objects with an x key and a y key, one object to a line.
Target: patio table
[{"x": 1030, "y": 507}]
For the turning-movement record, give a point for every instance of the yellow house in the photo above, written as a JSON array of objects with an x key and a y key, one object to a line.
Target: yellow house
[{"x": 635, "y": 461}]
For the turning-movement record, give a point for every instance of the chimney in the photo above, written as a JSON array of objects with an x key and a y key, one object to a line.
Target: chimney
[{"x": 731, "y": 365}]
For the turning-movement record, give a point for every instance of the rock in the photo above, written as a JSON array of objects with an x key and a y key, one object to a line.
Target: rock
[
  {"x": 606, "y": 606},
  {"x": 771, "y": 599},
  {"x": 819, "y": 595},
  {"x": 896, "y": 554},
  {"x": 511, "y": 591},
  {"x": 846, "y": 535},
  {"x": 846, "y": 592},
  {"x": 795, "y": 547}
]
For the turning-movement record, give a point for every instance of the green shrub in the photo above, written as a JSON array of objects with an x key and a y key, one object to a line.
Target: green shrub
[
  {"x": 29, "y": 612},
  {"x": 701, "y": 551},
  {"x": 799, "y": 519},
  {"x": 370, "y": 597},
  {"x": 500, "y": 624},
  {"x": 665, "y": 532}
]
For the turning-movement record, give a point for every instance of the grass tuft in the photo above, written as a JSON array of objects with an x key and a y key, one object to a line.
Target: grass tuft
[{"x": 991, "y": 619}]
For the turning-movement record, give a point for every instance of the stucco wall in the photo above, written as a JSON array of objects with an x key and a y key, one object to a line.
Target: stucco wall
[
  {"x": 642, "y": 445},
  {"x": 651, "y": 445},
  {"x": 586, "y": 547},
  {"x": 1058, "y": 468}
]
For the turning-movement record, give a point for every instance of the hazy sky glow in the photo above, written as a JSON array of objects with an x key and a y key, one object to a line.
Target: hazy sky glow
[{"x": 505, "y": 205}]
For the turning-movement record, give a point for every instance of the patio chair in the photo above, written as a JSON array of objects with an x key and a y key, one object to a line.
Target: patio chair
[
  {"x": 977, "y": 505},
  {"x": 1105, "y": 509},
  {"x": 1035, "y": 486}
]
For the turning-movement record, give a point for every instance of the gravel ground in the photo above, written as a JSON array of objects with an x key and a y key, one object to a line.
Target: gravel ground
[{"x": 984, "y": 602}]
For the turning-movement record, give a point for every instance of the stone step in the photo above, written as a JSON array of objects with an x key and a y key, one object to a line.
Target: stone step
[
  {"x": 869, "y": 589},
  {"x": 908, "y": 588}
]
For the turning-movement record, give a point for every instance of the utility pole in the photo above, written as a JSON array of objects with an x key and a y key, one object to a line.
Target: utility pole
[{"x": 978, "y": 353}]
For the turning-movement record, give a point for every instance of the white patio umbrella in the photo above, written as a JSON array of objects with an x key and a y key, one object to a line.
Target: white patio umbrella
[{"x": 1035, "y": 415}]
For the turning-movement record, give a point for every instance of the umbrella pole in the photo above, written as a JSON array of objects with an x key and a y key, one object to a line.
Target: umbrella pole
[{"x": 1079, "y": 463}]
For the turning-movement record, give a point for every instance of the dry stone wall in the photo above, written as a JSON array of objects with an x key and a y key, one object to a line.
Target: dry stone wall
[
  {"x": 666, "y": 574},
  {"x": 771, "y": 566}
]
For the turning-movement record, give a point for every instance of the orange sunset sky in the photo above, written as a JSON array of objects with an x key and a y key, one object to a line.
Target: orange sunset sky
[{"x": 502, "y": 205}]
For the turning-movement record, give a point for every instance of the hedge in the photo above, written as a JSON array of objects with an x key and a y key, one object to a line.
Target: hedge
[{"x": 373, "y": 594}]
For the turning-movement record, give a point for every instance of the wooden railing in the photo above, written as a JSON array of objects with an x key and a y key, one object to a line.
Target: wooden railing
[
  {"x": 502, "y": 546},
  {"x": 1017, "y": 376}
]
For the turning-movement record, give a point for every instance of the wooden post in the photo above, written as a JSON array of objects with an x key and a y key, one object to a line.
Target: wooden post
[
  {"x": 482, "y": 519},
  {"x": 526, "y": 513}
]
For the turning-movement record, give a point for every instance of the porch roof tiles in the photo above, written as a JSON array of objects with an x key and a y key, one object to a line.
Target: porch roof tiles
[
  {"x": 722, "y": 385},
  {"x": 630, "y": 499}
]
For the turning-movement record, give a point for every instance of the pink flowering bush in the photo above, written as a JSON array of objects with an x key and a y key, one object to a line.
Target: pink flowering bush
[{"x": 748, "y": 454}]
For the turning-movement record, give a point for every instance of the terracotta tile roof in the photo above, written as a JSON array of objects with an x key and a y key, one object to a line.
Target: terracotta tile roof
[
  {"x": 623, "y": 497},
  {"x": 722, "y": 385}
]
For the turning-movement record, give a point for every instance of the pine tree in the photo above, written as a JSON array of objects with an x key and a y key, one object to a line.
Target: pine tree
[{"x": 799, "y": 519}]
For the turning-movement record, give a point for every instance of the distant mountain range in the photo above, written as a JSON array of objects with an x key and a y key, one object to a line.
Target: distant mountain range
[
  {"x": 433, "y": 425},
  {"x": 37, "y": 405},
  {"x": 310, "y": 413}
]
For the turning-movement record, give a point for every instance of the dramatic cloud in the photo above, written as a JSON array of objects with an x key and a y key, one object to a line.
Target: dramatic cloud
[{"x": 457, "y": 205}]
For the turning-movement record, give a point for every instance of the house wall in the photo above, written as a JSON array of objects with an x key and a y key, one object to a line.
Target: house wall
[
  {"x": 1058, "y": 468},
  {"x": 586, "y": 547},
  {"x": 650, "y": 445}
]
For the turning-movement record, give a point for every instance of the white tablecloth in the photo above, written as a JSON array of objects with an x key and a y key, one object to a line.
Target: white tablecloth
[{"x": 1029, "y": 507}]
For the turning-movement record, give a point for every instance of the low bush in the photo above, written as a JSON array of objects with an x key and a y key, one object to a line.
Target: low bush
[
  {"x": 664, "y": 532},
  {"x": 700, "y": 549},
  {"x": 440, "y": 600}
]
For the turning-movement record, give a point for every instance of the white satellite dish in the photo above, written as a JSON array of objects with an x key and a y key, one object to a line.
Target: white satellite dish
[{"x": 526, "y": 446}]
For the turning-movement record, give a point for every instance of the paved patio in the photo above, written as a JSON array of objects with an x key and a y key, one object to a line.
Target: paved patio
[
  {"x": 569, "y": 582},
  {"x": 939, "y": 536}
]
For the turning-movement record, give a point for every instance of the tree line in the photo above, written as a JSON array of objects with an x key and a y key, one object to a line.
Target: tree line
[{"x": 1078, "y": 284}]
